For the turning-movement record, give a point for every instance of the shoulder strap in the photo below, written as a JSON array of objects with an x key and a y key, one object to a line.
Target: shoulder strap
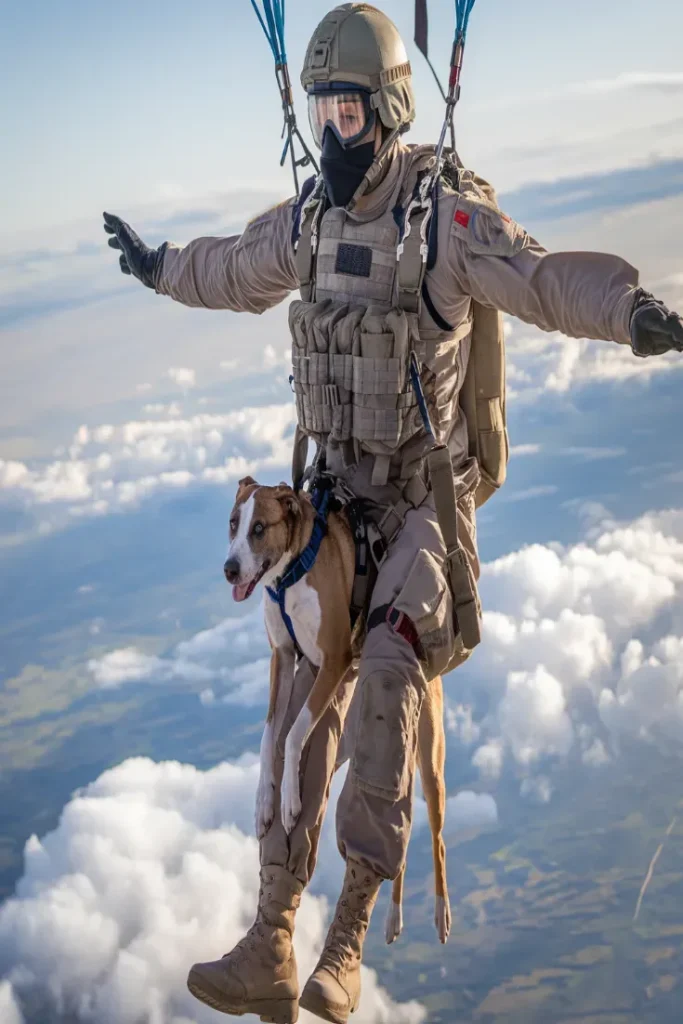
[
  {"x": 307, "y": 243},
  {"x": 414, "y": 248}
]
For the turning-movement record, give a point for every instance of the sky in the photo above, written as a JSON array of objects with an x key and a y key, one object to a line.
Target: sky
[
  {"x": 126, "y": 421},
  {"x": 117, "y": 105}
]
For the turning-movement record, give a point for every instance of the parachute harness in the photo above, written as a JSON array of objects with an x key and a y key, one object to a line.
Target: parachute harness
[
  {"x": 423, "y": 199},
  {"x": 273, "y": 24}
]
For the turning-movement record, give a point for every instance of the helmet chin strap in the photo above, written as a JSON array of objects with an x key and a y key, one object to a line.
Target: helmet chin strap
[{"x": 376, "y": 168}]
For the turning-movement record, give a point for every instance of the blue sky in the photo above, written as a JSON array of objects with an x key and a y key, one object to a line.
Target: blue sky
[{"x": 117, "y": 105}]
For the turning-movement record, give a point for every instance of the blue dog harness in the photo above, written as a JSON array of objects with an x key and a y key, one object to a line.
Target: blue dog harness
[{"x": 304, "y": 562}]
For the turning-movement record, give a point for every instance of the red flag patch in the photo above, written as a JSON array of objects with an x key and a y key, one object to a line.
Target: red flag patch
[{"x": 462, "y": 218}]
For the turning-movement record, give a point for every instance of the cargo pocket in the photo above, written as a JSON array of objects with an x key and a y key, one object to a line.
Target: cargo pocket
[
  {"x": 387, "y": 735},
  {"x": 426, "y": 600}
]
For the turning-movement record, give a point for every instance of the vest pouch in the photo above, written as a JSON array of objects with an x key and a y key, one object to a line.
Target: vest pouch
[{"x": 350, "y": 374}]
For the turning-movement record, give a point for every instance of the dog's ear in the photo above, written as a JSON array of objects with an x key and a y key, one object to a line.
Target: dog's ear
[
  {"x": 288, "y": 499},
  {"x": 246, "y": 481}
]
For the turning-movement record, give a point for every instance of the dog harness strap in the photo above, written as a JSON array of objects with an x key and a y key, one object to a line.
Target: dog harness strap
[
  {"x": 278, "y": 596},
  {"x": 304, "y": 562}
]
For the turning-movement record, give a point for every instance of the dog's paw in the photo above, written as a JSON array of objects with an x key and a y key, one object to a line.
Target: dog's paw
[
  {"x": 393, "y": 926},
  {"x": 290, "y": 795},
  {"x": 265, "y": 807},
  {"x": 442, "y": 918}
]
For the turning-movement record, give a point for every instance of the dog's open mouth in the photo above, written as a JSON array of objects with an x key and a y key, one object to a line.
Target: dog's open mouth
[{"x": 241, "y": 591}]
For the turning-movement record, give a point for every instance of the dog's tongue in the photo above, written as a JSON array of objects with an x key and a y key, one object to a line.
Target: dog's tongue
[{"x": 240, "y": 592}]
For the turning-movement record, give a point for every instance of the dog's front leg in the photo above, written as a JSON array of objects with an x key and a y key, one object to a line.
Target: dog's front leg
[
  {"x": 281, "y": 681},
  {"x": 330, "y": 675}
]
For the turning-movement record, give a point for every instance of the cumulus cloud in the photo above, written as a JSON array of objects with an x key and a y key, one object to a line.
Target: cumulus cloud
[
  {"x": 582, "y": 645},
  {"x": 540, "y": 362},
  {"x": 648, "y": 699},
  {"x": 231, "y": 659},
  {"x": 121, "y": 898},
  {"x": 128, "y": 664},
  {"x": 465, "y": 810},
  {"x": 110, "y": 468},
  {"x": 533, "y": 716}
]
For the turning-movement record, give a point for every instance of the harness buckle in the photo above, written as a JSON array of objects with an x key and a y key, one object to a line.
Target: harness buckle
[{"x": 378, "y": 545}]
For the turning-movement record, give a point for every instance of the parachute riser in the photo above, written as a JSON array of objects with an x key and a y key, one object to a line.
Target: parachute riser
[
  {"x": 452, "y": 98},
  {"x": 272, "y": 22}
]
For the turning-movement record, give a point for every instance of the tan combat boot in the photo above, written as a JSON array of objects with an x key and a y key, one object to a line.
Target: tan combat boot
[
  {"x": 333, "y": 990},
  {"x": 259, "y": 975}
]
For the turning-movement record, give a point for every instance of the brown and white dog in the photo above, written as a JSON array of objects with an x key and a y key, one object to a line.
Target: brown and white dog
[{"x": 269, "y": 528}]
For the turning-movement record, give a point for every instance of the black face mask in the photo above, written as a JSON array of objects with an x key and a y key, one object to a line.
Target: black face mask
[{"x": 344, "y": 169}]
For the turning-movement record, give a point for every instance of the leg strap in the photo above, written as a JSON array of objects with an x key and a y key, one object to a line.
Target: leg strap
[{"x": 463, "y": 586}]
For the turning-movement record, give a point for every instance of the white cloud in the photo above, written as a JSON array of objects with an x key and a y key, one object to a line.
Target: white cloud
[
  {"x": 233, "y": 657},
  {"x": 273, "y": 358},
  {"x": 113, "y": 468},
  {"x": 465, "y": 810},
  {"x": 183, "y": 376},
  {"x": 541, "y": 491},
  {"x": 120, "y": 899},
  {"x": 489, "y": 759},
  {"x": 524, "y": 449},
  {"x": 564, "y": 669},
  {"x": 459, "y": 721},
  {"x": 533, "y": 717},
  {"x": 550, "y": 362},
  {"x": 648, "y": 699},
  {"x": 128, "y": 665},
  {"x": 538, "y": 788},
  {"x": 9, "y": 1009},
  {"x": 592, "y": 453}
]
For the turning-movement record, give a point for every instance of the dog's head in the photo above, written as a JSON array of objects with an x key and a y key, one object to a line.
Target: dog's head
[{"x": 262, "y": 526}]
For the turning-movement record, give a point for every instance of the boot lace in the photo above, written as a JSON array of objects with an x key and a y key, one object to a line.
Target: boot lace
[
  {"x": 347, "y": 931},
  {"x": 253, "y": 940}
]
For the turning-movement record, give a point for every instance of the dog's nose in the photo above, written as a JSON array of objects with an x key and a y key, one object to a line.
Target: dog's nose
[{"x": 232, "y": 570}]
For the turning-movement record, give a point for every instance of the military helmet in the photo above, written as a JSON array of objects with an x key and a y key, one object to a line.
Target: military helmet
[{"x": 358, "y": 45}]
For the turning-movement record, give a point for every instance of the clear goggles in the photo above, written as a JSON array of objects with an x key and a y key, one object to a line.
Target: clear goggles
[{"x": 347, "y": 113}]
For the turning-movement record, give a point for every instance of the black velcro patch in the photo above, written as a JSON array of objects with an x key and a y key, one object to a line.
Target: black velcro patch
[{"x": 353, "y": 259}]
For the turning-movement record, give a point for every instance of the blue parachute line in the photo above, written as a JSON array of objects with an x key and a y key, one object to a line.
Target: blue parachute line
[
  {"x": 273, "y": 24},
  {"x": 463, "y": 9}
]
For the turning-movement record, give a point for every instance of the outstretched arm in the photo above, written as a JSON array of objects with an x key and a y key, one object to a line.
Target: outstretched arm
[
  {"x": 250, "y": 272},
  {"x": 581, "y": 294}
]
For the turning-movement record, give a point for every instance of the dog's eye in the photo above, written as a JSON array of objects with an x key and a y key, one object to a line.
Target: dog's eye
[
  {"x": 233, "y": 525},
  {"x": 258, "y": 529}
]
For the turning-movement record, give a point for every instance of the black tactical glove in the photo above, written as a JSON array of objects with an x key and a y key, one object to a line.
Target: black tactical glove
[
  {"x": 654, "y": 329},
  {"x": 136, "y": 258}
]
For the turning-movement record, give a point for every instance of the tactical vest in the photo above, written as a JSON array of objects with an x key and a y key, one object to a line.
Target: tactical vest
[{"x": 357, "y": 322}]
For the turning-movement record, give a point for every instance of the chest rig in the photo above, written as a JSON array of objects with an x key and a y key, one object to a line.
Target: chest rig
[
  {"x": 357, "y": 323},
  {"x": 355, "y": 336}
]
